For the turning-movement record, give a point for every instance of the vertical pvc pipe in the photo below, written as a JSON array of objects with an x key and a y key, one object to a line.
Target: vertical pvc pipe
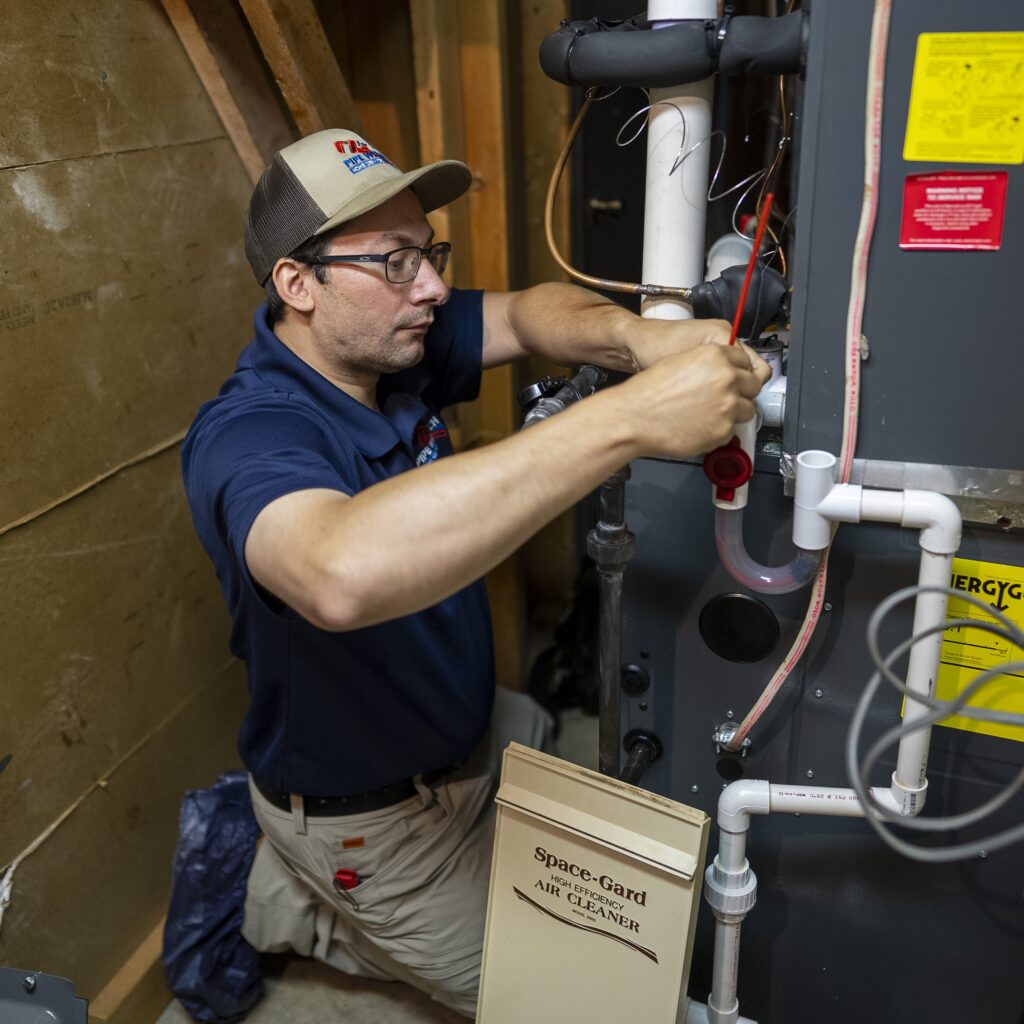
[
  {"x": 676, "y": 200},
  {"x": 930, "y": 609},
  {"x": 723, "y": 1006}
]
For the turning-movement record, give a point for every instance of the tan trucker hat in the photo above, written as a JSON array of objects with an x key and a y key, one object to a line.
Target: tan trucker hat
[{"x": 328, "y": 178}]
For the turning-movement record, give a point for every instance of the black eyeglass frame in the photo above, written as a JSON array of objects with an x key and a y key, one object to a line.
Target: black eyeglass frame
[{"x": 439, "y": 250}]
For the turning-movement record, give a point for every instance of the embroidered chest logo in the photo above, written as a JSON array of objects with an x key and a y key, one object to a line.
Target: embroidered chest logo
[
  {"x": 361, "y": 156},
  {"x": 426, "y": 439}
]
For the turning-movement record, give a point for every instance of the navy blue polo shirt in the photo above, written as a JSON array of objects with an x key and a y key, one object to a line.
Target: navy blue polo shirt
[{"x": 334, "y": 714}]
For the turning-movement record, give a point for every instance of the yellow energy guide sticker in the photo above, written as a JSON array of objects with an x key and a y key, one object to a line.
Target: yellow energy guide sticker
[
  {"x": 968, "y": 651},
  {"x": 967, "y": 98}
]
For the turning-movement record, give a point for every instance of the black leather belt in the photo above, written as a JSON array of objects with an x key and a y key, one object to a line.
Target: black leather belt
[{"x": 359, "y": 803}]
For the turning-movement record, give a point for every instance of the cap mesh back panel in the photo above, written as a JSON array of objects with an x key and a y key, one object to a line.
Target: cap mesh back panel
[{"x": 281, "y": 217}]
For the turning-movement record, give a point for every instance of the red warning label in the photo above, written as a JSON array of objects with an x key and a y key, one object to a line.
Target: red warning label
[{"x": 953, "y": 210}]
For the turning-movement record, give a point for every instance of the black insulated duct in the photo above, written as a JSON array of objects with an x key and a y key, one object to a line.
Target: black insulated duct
[{"x": 629, "y": 53}]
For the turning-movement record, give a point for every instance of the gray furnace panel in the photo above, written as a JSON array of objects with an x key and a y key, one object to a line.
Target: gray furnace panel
[{"x": 845, "y": 930}]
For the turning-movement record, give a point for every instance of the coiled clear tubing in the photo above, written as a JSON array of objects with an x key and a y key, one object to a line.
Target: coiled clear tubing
[{"x": 765, "y": 579}]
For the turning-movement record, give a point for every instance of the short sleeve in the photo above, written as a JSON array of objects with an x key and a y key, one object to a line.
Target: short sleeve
[{"x": 238, "y": 465}]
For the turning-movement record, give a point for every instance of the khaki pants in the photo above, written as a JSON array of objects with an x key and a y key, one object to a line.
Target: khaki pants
[{"x": 417, "y": 914}]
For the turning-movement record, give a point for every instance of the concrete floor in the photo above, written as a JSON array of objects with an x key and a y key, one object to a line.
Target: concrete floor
[{"x": 309, "y": 992}]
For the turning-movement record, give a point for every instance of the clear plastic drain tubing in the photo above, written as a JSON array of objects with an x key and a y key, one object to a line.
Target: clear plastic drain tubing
[{"x": 765, "y": 579}]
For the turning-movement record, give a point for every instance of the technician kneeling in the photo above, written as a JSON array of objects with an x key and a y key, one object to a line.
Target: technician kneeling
[{"x": 350, "y": 544}]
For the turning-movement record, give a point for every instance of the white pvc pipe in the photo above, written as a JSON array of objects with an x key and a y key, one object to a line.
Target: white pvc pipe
[
  {"x": 676, "y": 200},
  {"x": 723, "y": 1004},
  {"x": 909, "y": 782},
  {"x": 825, "y": 800}
]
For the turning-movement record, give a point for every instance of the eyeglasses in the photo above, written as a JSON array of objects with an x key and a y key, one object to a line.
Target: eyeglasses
[{"x": 400, "y": 265}]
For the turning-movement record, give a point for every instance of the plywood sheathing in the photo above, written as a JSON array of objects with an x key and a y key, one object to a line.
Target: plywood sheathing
[{"x": 125, "y": 300}]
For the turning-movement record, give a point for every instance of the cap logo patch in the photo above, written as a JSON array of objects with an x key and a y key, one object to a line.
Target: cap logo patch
[{"x": 361, "y": 156}]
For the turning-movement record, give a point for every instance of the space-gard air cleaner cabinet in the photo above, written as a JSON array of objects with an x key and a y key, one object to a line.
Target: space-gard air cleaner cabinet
[{"x": 594, "y": 892}]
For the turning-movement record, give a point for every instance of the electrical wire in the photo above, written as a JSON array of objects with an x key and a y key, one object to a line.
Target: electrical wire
[{"x": 859, "y": 771}]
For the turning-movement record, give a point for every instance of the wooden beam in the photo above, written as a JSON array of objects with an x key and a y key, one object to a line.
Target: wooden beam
[
  {"x": 293, "y": 41},
  {"x": 483, "y": 67},
  {"x": 192, "y": 39},
  {"x": 440, "y": 119},
  {"x": 138, "y": 993},
  {"x": 550, "y": 559}
]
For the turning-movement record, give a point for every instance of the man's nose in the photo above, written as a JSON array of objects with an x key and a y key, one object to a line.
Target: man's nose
[{"x": 428, "y": 285}]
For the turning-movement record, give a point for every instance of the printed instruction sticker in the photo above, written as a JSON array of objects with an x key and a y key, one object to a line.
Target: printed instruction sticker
[
  {"x": 967, "y": 98},
  {"x": 953, "y": 210},
  {"x": 967, "y": 651}
]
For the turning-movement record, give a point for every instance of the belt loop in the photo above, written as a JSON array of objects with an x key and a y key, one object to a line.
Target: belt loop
[{"x": 298, "y": 813}]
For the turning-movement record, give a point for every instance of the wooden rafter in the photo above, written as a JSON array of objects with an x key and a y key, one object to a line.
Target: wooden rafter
[
  {"x": 203, "y": 60},
  {"x": 294, "y": 44}
]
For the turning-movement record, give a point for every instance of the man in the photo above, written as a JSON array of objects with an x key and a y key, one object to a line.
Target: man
[{"x": 350, "y": 549}]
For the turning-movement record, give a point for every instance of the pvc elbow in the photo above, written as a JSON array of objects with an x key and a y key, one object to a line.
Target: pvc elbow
[
  {"x": 739, "y": 800},
  {"x": 937, "y": 518}
]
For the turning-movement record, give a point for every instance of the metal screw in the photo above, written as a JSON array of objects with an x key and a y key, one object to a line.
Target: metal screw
[
  {"x": 695, "y": 788},
  {"x": 29, "y": 983},
  {"x": 819, "y": 693},
  {"x": 983, "y": 854},
  {"x": 729, "y": 714},
  {"x": 643, "y": 705},
  {"x": 810, "y": 773},
  {"x": 828, "y": 606}
]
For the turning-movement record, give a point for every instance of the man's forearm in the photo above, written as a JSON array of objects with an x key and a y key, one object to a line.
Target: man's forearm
[
  {"x": 410, "y": 541},
  {"x": 480, "y": 506},
  {"x": 570, "y": 325}
]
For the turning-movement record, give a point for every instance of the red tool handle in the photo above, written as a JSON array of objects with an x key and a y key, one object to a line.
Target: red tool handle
[{"x": 758, "y": 235}]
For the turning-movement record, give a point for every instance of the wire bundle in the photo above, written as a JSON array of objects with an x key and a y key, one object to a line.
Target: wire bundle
[{"x": 881, "y": 818}]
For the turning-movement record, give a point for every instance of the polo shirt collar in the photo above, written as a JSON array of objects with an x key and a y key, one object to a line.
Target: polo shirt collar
[{"x": 371, "y": 432}]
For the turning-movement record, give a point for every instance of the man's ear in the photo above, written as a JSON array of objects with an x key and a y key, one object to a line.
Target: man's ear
[{"x": 291, "y": 279}]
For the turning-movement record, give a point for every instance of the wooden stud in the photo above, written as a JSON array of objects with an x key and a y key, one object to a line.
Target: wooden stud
[
  {"x": 550, "y": 558},
  {"x": 484, "y": 72},
  {"x": 293, "y": 41},
  {"x": 192, "y": 39},
  {"x": 437, "y": 61}
]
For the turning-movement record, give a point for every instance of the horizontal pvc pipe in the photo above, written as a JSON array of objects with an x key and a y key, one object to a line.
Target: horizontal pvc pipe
[
  {"x": 765, "y": 579},
  {"x": 824, "y": 800}
]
